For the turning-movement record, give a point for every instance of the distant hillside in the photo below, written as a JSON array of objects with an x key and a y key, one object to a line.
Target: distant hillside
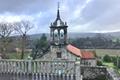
[
  {"x": 82, "y": 35},
  {"x": 114, "y": 34},
  {"x": 36, "y": 36},
  {"x": 70, "y": 35}
]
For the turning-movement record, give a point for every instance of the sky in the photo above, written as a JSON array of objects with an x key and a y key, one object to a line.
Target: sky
[{"x": 80, "y": 15}]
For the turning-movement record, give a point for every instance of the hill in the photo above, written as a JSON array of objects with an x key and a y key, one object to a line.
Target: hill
[{"x": 82, "y": 35}]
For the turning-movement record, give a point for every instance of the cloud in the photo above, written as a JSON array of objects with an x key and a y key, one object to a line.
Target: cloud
[
  {"x": 7, "y": 17},
  {"x": 81, "y": 15}
]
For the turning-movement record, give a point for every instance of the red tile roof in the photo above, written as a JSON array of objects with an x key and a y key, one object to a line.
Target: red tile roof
[
  {"x": 87, "y": 55},
  {"x": 74, "y": 50},
  {"x": 79, "y": 53}
]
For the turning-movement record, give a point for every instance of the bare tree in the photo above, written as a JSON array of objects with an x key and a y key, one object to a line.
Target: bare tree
[
  {"x": 23, "y": 28},
  {"x": 5, "y": 31}
]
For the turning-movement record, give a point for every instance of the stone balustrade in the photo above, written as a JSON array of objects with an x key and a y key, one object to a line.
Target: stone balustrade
[
  {"x": 37, "y": 70},
  {"x": 36, "y": 66}
]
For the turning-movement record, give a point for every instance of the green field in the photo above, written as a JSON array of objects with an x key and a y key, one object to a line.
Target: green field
[
  {"x": 109, "y": 65},
  {"x": 102, "y": 52},
  {"x": 17, "y": 55}
]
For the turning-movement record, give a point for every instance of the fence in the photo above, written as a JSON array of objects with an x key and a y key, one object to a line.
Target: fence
[{"x": 39, "y": 70}]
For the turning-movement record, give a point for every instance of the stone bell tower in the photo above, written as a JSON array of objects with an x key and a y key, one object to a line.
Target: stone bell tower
[
  {"x": 58, "y": 35},
  {"x": 58, "y": 31}
]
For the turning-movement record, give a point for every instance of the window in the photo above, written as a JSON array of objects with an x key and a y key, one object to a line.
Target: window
[{"x": 59, "y": 55}]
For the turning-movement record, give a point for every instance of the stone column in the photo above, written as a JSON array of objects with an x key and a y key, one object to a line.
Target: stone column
[
  {"x": 29, "y": 66},
  {"x": 65, "y": 36},
  {"x": 77, "y": 70}
]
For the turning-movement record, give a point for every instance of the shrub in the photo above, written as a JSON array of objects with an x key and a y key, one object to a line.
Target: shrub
[{"x": 107, "y": 58}]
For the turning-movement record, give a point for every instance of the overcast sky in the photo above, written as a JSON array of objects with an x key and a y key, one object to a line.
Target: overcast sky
[{"x": 81, "y": 15}]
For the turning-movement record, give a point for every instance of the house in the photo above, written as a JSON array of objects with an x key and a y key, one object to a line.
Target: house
[
  {"x": 88, "y": 58},
  {"x": 85, "y": 57}
]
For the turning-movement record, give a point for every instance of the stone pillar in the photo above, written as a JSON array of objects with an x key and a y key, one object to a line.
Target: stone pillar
[
  {"x": 29, "y": 66},
  {"x": 65, "y": 36},
  {"x": 77, "y": 70}
]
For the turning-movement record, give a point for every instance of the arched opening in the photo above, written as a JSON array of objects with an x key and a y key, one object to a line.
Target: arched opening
[
  {"x": 61, "y": 35},
  {"x": 55, "y": 33},
  {"x": 56, "y": 36},
  {"x": 58, "y": 23}
]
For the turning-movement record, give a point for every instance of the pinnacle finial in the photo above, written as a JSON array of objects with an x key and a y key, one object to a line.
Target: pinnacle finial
[
  {"x": 58, "y": 5},
  {"x": 58, "y": 14}
]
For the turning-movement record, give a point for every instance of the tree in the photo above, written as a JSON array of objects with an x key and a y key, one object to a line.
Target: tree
[
  {"x": 41, "y": 46},
  {"x": 5, "y": 31},
  {"x": 107, "y": 58},
  {"x": 23, "y": 27},
  {"x": 41, "y": 43},
  {"x": 116, "y": 61}
]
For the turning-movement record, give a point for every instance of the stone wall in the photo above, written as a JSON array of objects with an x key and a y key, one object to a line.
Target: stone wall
[
  {"x": 52, "y": 55},
  {"x": 91, "y": 73},
  {"x": 89, "y": 62}
]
